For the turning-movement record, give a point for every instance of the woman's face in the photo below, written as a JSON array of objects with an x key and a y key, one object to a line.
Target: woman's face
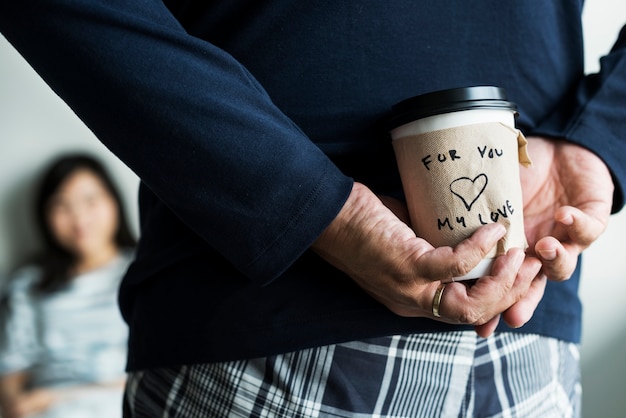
[{"x": 83, "y": 215}]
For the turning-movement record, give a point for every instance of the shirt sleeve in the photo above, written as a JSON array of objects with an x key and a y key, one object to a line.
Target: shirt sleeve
[
  {"x": 593, "y": 115},
  {"x": 20, "y": 345},
  {"x": 189, "y": 120}
]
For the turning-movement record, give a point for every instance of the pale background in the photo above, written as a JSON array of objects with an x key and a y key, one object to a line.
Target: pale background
[{"x": 36, "y": 125}]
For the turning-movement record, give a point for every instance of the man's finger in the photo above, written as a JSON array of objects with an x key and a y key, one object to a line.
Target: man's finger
[
  {"x": 583, "y": 226},
  {"x": 521, "y": 312},
  {"x": 479, "y": 303},
  {"x": 444, "y": 263},
  {"x": 559, "y": 261}
]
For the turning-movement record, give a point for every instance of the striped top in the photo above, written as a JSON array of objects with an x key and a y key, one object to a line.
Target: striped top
[{"x": 69, "y": 337}]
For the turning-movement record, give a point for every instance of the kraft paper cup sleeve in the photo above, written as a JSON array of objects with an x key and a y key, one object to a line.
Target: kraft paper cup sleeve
[
  {"x": 460, "y": 178},
  {"x": 522, "y": 147}
]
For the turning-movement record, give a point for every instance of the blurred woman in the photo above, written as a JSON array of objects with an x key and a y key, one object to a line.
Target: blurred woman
[{"x": 65, "y": 341}]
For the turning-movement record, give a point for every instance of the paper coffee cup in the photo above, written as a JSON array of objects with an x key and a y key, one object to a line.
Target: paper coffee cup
[{"x": 458, "y": 154}]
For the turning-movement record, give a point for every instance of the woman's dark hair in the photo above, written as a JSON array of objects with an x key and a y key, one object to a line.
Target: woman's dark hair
[{"x": 55, "y": 260}]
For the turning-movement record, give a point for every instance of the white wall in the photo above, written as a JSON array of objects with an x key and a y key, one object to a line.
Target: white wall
[{"x": 35, "y": 126}]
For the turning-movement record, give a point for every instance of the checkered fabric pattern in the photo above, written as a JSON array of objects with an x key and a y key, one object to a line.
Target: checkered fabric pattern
[{"x": 426, "y": 375}]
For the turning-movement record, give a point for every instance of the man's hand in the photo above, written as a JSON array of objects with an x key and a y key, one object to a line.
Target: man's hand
[
  {"x": 382, "y": 254},
  {"x": 567, "y": 201},
  {"x": 568, "y": 194}
]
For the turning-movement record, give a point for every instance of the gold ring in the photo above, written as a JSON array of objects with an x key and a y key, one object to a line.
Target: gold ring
[{"x": 437, "y": 299}]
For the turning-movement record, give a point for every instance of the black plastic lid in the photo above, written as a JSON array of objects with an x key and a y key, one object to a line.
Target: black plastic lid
[{"x": 446, "y": 101}]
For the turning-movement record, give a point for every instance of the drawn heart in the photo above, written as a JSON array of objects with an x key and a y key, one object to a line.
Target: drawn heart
[{"x": 469, "y": 190}]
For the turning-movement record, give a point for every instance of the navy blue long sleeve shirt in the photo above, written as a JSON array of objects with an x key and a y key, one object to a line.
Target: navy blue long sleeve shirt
[{"x": 248, "y": 122}]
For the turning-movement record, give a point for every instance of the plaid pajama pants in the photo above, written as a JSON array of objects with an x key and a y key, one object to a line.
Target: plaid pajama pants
[{"x": 426, "y": 375}]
